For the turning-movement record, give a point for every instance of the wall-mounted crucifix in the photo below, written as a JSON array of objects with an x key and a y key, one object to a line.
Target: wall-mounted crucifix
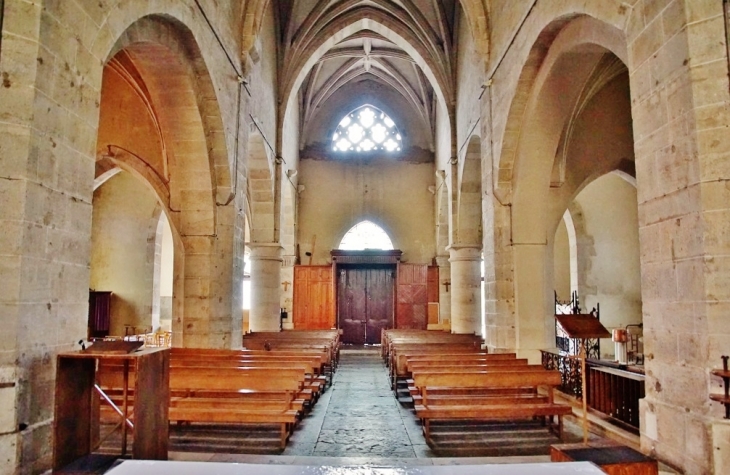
[
  {"x": 286, "y": 285},
  {"x": 447, "y": 283}
]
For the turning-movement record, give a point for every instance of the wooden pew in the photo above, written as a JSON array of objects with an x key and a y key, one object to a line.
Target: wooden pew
[
  {"x": 236, "y": 395},
  {"x": 391, "y": 338},
  {"x": 497, "y": 407},
  {"x": 320, "y": 359},
  {"x": 312, "y": 365},
  {"x": 401, "y": 352},
  {"x": 296, "y": 339}
]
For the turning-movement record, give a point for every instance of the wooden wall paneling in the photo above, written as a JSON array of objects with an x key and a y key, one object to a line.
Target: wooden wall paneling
[
  {"x": 412, "y": 296},
  {"x": 313, "y": 302},
  {"x": 433, "y": 283}
]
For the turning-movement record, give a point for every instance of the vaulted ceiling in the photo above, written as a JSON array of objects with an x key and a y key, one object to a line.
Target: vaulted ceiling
[{"x": 403, "y": 45}]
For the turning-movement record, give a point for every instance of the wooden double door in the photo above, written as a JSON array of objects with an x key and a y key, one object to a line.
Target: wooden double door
[{"x": 365, "y": 302}]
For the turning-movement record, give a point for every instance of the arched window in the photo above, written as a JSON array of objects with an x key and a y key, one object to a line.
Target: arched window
[
  {"x": 366, "y": 129},
  {"x": 366, "y": 235}
]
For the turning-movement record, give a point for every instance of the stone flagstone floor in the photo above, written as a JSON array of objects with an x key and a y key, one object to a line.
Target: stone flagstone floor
[{"x": 359, "y": 415}]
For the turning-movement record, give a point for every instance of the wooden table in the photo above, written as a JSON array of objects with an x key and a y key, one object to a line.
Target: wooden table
[
  {"x": 146, "y": 373},
  {"x": 611, "y": 457}
]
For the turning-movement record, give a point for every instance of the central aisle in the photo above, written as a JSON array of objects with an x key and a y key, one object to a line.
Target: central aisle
[{"x": 359, "y": 416}]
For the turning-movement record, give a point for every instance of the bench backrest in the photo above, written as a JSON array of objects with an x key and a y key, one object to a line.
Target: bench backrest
[
  {"x": 236, "y": 379},
  {"x": 470, "y": 365},
  {"x": 487, "y": 379}
]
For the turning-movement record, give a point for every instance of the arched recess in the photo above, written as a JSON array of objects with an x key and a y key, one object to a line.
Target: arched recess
[
  {"x": 603, "y": 235},
  {"x": 166, "y": 127},
  {"x": 571, "y": 67},
  {"x": 565, "y": 258},
  {"x": 260, "y": 190},
  {"x": 126, "y": 248}
]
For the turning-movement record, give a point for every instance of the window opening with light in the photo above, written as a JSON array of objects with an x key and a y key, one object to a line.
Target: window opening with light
[{"x": 366, "y": 129}]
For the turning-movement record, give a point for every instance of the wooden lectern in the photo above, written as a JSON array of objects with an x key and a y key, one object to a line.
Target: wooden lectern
[
  {"x": 146, "y": 376},
  {"x": 583, "y": 327}
]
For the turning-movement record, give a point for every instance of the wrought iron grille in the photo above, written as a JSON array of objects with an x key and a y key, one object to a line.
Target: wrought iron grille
[
  {"x": 571, "y": 346},
  {"x": 569, "y": 367}
]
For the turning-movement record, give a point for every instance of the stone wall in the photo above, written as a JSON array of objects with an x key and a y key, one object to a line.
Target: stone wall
[
  {"x": 677, "y": 64},
  {"x": 53, "y": 55},
  {"x": 125, "y": 216},
  {"x": 338, "y": 195}
]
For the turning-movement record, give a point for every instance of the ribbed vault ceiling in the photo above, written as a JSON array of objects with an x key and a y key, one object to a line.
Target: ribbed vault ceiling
[{"x": 424, "y": 26}]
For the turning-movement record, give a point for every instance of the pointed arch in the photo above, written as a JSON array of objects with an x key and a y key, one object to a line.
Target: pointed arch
[
  {"x": 559, "y": 36},
  {"x": 183, "y": 98}
]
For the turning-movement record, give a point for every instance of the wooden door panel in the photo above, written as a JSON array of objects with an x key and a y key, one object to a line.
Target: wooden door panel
[
  {"x": 419, "y": 294},
  {"x": 351, "y": 305},
  {"x": 412, "y": 296},
  {"x": 380, "y": 303}
]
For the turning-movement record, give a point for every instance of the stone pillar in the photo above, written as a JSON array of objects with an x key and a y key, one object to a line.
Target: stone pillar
[
  {"x": 287, "y": 289},
  {"x": 265, "y": 286},
  {"x": 466, "y": 282},
  {"x": 444, "y": 288},
  {"x": 533, "y": 300}
]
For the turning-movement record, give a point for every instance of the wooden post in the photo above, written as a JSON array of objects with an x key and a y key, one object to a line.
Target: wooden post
[
  {"x": 125, "y": 407},
  {"x": 583, "y": 387}
]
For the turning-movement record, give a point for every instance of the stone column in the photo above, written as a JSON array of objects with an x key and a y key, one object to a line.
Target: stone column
[
  {"x": 444, "y": 288},
  {"x": 265, "y": 286},
  {"x": 534, "y": 316},
  {"x": 287, "y": 289},
  {"x": 466, "y": 280}
]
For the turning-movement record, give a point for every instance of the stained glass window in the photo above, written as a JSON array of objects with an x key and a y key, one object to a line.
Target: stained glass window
[{"x": 365, "y": 129}]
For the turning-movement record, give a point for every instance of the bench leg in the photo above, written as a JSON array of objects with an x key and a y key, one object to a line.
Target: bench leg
[
  {"x": 284, "y": 435},
  {"x": 560, "y": 427}
]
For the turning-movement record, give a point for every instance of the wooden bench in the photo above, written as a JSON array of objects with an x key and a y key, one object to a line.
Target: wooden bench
[
  {"x": 296, "y": 339},
  {"x": 310, "y": 365},
  {"x": 496, "y": 407},
  {"x": 390, "y": 340},
  {"x": 319, "y": 359},
  {"x": 235, "y": 395},
  {"x": 401, "y": 352}
]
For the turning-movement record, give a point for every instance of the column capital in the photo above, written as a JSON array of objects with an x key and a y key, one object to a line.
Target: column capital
[
  {"x": 269, "y": 251},
  {"x": 442, "y": 261},
  {"x": 464, "y": 252}
]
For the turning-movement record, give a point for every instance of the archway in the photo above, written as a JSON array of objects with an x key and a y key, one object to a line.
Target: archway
[
  {"x": 574, "y": 111},
  {"x": 158, "y": 120}
]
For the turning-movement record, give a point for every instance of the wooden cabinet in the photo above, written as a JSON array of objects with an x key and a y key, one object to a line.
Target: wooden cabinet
[
  {"x": 100, "y": 304},
  {"x": 76, "y": 415},
  {"x": 314, "y": 305}
]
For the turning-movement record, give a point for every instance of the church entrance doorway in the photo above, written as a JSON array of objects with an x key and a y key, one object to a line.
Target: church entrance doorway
[{"x": 365, "y": 302}]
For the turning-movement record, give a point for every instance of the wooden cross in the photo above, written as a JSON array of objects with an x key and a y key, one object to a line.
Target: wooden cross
[
  {"x": 286, "y": 285},
  {"x": 447, "y": 283}
]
